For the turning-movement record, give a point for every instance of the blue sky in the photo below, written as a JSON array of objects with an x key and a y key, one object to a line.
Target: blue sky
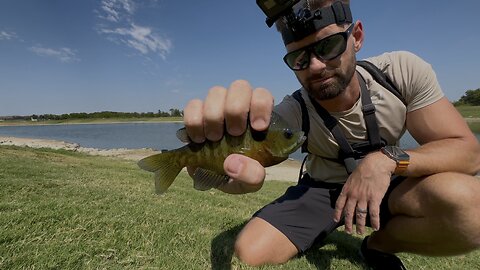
[{"x": 62, "y": 56}]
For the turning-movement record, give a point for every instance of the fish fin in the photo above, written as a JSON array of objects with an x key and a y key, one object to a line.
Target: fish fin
[
  {"x": 205, "y": 179},
  {"x": 151, "y": 163},
  {"x": 165, "y": 168},
  {"x": 183, "y": 136}
]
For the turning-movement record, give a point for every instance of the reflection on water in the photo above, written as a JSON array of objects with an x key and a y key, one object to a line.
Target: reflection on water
[{"x": 134, "y": 135}]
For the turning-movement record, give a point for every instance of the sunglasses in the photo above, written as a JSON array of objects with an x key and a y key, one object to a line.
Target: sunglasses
[{"x": 325, "y": 49}]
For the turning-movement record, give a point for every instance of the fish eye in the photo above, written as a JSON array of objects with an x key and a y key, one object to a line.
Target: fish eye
[{"x": 288, "y": 133}]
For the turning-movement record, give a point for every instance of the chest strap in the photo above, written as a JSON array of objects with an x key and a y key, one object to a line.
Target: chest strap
[{"x": 346, "y": 153}]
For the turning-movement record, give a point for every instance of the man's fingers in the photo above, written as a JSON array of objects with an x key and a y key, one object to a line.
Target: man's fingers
[
  {"x": 374, "y": 211},
  {"x": 339, "y": 205},
  {"x": 349, "y": 212},
  {"x": 237, "y": 107},
  {"x": 193, "y": 120},
  {"x": 261, "y": 107},
  {"x": 213, "y": 113},
  {"x": 361, "y": 212}
]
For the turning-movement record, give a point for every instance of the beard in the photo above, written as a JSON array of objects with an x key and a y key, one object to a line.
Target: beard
[
  {"x": 335, "y": 86},
  {"x": 321, "y": 88}
]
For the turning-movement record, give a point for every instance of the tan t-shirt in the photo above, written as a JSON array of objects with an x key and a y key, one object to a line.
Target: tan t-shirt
[{"x": 413, "y": 77}]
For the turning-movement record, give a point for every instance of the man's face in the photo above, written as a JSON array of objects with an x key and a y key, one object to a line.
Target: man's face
[{"x": 326, "y": 79}]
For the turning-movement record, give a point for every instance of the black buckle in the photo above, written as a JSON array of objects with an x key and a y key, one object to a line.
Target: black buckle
[
  {"x": 350, "y": 164},
  {"x": 368, "y": 109}
]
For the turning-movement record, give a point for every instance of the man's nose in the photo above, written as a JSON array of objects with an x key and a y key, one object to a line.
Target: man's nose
[{"x": 316, "y": 63}]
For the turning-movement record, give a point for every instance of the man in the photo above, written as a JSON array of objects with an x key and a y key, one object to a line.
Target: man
[{"x": 423, "y": 200}]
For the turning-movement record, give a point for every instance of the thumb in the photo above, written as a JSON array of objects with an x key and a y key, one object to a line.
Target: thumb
[{"x": 244, "y": 169}]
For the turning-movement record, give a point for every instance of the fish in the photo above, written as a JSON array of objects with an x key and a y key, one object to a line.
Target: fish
[{"x": 268, "y": 147}]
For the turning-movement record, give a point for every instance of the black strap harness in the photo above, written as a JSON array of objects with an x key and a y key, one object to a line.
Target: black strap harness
[{"x": 350, "y": 154}]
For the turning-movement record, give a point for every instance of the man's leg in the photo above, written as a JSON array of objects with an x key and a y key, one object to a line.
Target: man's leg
[
  {"x": 288, "y": 226},
  {"x": 436, "y": 216},
  {"x": 260, "y": 243}
]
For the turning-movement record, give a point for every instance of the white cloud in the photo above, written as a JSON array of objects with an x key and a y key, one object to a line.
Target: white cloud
[
  {"x": 4, "y": 35},
  {"x": 116, "y": 10},
  {"x": 142, "y": 39},
  {"x": 65, "y": 55},
  {"x": 118, "y": 24}
]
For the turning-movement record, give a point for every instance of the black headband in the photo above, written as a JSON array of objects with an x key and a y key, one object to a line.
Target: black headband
[{"x": 304, "y": 23}]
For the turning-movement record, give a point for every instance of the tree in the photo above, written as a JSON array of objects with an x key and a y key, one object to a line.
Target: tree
[
  {"x": 471, "y": 97},
  {"x": 176, "y": 113}
]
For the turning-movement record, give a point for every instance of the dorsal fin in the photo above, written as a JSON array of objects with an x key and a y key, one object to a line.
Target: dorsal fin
[{"x": 183, "y": 136}]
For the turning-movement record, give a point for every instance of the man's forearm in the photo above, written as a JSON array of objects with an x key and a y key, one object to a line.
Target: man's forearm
[{"x": 448, "y": 155}]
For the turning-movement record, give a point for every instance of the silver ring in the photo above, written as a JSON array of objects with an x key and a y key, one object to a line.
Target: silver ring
[
  {"x": 361, "y": 215},
  {"x": 361, "y": 210}
]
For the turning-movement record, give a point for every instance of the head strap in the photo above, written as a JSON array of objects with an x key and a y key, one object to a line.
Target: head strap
[{"x": 304, "y": 23}]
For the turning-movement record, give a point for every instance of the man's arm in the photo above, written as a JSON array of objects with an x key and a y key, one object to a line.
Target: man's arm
[{"x": 447, "y": 144}]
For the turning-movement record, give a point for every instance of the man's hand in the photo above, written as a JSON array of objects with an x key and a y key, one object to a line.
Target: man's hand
[
  {"x": 229, "y": 109},
  {"x": 363, "y": 192}
]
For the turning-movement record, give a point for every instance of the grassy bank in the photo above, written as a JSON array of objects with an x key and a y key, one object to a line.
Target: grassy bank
[
  {"x": 67, "y": 210},
  {"x": 469, "y": 111},
  {"x": 472, "y": 115}
]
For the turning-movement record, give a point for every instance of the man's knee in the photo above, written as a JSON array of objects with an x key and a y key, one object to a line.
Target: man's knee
[
  {"x": 457, "y": 197},
  {"x": 260, "y": 243},
  {"x": 440, "y": 193},
  {"x": 248, "y": 254},
  {"x": 454, "y": 191}
]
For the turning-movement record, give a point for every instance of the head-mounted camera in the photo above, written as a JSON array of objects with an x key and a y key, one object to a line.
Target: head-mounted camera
[{"x": 303, "y": 22}]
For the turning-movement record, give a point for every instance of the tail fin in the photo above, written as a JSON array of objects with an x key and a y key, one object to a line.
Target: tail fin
[{"x": 164, "y": 166}]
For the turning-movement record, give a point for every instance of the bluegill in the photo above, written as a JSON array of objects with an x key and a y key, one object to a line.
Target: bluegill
[{"x": 268, "y": 147}]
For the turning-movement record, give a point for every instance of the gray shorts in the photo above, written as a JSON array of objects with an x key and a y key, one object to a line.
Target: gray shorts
[{"x": 305, "y": 212}]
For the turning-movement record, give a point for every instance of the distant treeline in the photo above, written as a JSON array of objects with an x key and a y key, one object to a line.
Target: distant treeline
[
  {"x": 96, "y": 115},
  {"x": 471, "y": 97}
]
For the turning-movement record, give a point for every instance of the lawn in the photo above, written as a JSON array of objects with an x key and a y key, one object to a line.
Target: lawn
[
  {"x": 469, "y": 111},
  {"x": 66, "y": 210}
]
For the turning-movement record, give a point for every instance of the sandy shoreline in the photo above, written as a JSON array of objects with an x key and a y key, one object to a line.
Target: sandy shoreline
[{"x": 285, "y": 171}]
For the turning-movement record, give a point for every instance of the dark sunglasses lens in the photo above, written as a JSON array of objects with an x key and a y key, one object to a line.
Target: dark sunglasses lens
[
  {"x": 297, "y": 60},
  {"x": 330, "y": 47}
]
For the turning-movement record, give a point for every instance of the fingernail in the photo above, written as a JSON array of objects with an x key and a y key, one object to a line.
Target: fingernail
[
  {"x": 259, "y": 124},
  {"x": 214, "y": 136},
  {"x": 235, "y": 131},
  {"x": 198, "y": 139},
  {"x": 234, "y": 167}
]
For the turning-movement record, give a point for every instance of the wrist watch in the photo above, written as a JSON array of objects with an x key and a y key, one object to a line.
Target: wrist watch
[{"x": 398, "y": 155}]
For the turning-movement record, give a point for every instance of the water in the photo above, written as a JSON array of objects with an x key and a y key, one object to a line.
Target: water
[
  {"x": 126, "y": 135},
  {"x": 104, "y": 136}
]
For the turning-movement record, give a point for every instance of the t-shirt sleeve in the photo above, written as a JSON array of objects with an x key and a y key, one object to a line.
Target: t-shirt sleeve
[{"x": 414, "y": 78}]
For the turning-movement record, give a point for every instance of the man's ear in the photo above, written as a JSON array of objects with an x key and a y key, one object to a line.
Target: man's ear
[{"x": 358, "y": 36}]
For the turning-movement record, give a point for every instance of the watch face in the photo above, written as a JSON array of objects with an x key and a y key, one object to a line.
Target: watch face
[{"x": 398, "y": 152}]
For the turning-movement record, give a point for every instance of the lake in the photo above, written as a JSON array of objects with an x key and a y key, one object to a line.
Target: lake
[{"x": 124, "y": 135}]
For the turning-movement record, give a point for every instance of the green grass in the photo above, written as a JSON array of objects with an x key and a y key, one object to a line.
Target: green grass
[
  {"x": 65, "y": 210},
  {"x": 472, "y": 115},
  {"x": 469, "y": 111}
]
